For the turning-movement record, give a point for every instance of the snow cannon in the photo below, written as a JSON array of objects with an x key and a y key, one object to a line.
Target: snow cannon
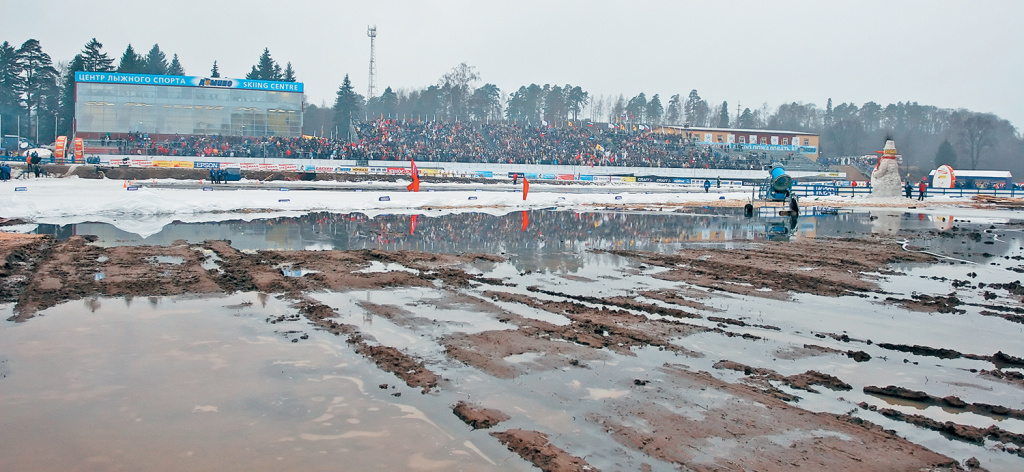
[
  {"x": 776, "y": 189},
  {"x": 781, "y": 184}
]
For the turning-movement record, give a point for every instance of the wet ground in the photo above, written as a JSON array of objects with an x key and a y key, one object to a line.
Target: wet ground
[{"x": 694, "y": 339}]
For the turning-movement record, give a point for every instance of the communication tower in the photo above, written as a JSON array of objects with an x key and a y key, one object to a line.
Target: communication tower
[{"x": 371, "y": 31}]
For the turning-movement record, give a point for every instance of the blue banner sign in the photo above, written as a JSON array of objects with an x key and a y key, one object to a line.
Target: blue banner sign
[
  {"x": 206, "y": 165},
  {"x": 187, "y": 81},
  {"x": 823, "y": 191}
]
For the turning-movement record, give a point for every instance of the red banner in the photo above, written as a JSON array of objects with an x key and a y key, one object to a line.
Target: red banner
[
  {"x": 79, "y": 148},
  {"x": 415, "y": 185},
  {"x": 60, "y": 147}
]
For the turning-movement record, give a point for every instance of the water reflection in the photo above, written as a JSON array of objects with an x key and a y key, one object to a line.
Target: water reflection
[
  {"x": 533, "y": 230},
  {"x": 206, "y": 384},
  {"x": 536, "y": 235}
]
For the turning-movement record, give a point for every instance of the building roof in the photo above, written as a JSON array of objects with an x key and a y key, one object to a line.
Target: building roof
[{"x": 740, "y": 130}]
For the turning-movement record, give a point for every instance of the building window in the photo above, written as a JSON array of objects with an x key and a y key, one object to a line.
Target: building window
[
  {"x": 807, "y": 142},
  {"x": 785, "y": 141}
]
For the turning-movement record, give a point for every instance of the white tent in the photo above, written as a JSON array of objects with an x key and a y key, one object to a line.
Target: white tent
[{"x": 42, "y": 152}]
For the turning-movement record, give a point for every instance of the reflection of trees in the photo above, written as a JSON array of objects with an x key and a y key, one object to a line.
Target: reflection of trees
[{"x": 554, "y": 240}]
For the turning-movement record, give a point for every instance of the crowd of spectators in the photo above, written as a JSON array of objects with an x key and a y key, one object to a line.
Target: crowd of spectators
[
  {"x": 503, "y": 143},
  {"x": 865, "y": 164}
]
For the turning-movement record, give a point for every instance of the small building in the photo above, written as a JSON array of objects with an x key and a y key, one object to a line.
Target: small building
[
  {"x": 978, "y": 178},
  {"x": 796, "y": 142}
]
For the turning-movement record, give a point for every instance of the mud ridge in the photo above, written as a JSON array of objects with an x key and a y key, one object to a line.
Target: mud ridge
[
  {"x": 802, "y": 381},
  {"x": 931, "y": 303},
  {"x": 999, "y": 359},
  {"x": 824, "y": 267},
  {"x": 946, "y": 402},
  {"x": 535, "y": 448},
  {"x": 478, "y": 417},
  {"x": 966, "y": 433},
  {"x": 412, "y": 371},
  {"x": 617, "y": 330},
  {"x": 621, "y": 302},
  {"x": 1010, "y": 376}
]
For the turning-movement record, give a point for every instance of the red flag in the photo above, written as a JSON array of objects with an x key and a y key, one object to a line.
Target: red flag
[
  {"x": 412, "y": 224},
  {"x": 526, "y": 220},
  {"x": 526, "y": 187},
  {"x": 415, "y": 185}
]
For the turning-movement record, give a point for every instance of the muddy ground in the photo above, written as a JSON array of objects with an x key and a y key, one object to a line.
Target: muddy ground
[
  {"x": 655, "y": 420},
  {"x": 673, "y": 414}
]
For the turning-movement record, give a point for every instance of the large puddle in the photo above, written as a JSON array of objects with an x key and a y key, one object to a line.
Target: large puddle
[
  {"x": 551, "y": 239},
  {"x": 187, "y": 384},
  {"x": 204, "y": 384}
]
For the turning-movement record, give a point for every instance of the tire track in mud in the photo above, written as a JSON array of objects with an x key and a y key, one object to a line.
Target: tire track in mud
[{"x": 827, "y": 267}]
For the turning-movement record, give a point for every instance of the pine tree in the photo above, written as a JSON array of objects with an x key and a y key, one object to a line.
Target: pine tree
[
  {"x": 215, "y": 72},
  {"x": 266, "y": 69},
  {"x": 12, "y": 84},
  {"x": 131, "y": 62},
  {"x": 41, "y": 89},
  {"x": 175, "y": 67},
  {"x": 94, "y": 59},
  {"x": 675, "y": 109},
  {"x": 946, "y": 155},
  {"x": 655, "y": 110},
  {"x": 289, "y": 74},
  {"x": 156, "y": 61},
  {"x": 723, "y": 118},
  {"x": 746, "y": 120},
  {"x": 346, "y": 105}
]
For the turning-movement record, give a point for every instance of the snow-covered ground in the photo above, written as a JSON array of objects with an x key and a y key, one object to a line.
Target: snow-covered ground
[{"x": 145, "y": 207}]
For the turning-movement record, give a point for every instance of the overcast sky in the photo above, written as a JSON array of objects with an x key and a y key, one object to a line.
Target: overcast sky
[{"x": 950, "y": 54}]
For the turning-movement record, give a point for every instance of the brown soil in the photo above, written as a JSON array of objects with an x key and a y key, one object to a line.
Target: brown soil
[
  {"x": 946, "y": 402},
  {"x": 967, "y": 433},
  {"x": 682, "y": 433},
  {"x": 802, "y": 381},
  {"x": 477, "y": 417},
  {"x": 535, "y": 448},
  {"x": 829, "y": 267},
  {"x": 681, "y": 425}
]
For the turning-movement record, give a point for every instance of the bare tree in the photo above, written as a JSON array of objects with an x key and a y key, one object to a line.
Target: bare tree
[{"x": 976, "y": 133}]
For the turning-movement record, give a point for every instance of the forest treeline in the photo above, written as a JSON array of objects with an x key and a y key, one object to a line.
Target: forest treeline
[{"x": 38, "y": 94}]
